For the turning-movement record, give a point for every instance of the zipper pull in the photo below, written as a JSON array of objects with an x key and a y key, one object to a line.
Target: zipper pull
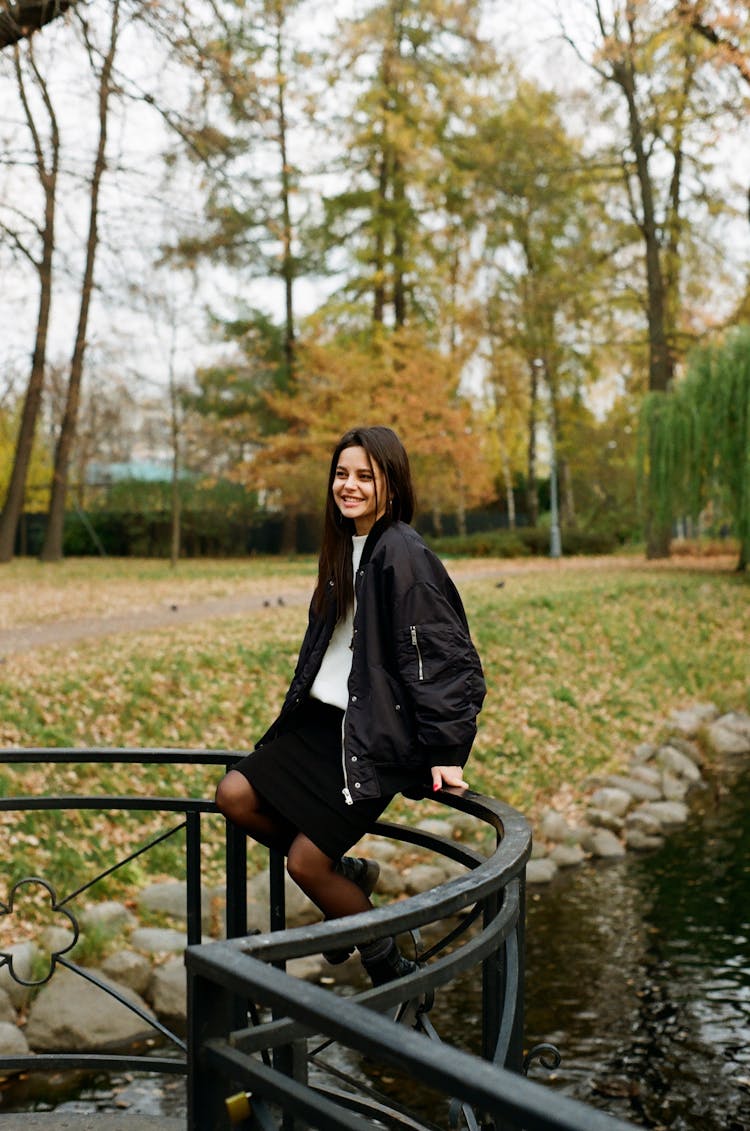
[
  {"x": 347, "y": 795},
  {"x": 415, "y": 642}
]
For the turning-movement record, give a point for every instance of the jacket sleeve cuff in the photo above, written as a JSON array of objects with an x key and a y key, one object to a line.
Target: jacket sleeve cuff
[{"x": 447, "y": 756}]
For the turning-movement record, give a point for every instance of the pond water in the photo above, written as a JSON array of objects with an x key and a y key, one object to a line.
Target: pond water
[{"x": 637, "y": 970}]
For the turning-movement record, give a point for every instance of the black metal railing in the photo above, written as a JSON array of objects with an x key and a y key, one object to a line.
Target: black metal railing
[
  {"x": 260, "y": 1042},
  {"x": 182, "y": 815},
  {"x": 256, "y": 1035}
]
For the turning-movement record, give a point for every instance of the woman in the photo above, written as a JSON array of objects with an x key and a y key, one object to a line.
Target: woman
[{"x": 383, "y": 700}]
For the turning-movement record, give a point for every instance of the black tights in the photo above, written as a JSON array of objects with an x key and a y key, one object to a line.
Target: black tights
[{"x": 310, "y": 868}]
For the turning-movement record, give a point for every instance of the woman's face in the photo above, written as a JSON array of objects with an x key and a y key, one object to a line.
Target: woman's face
[{"x": 359, "y": 488}]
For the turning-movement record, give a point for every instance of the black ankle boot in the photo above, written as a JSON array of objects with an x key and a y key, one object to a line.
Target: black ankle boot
[{"x": 391, "y": 966}]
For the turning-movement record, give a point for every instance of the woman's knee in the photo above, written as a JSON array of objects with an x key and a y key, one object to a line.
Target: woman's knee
[
  {"x": 235, "y": 797},
  {"x": 306, "y": 864}
]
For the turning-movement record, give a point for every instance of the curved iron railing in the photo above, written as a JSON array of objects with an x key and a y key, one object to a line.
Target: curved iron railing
[{"x": 252, "y": 1029}]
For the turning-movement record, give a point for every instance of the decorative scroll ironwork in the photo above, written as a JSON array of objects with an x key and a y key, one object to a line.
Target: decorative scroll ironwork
[{"x": 6, "y": 957}]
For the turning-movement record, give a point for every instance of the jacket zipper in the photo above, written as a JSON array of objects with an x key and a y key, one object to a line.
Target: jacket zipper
[
  {"x": 415, "y": 642},
  {"x": 346, "y": 792}
]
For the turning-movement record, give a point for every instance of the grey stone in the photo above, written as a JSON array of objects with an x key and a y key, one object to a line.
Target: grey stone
[
  {"x": 725, "y": 740},
  {"x": 603, "y": 819},
  {"x": 640, "y": 790},
  {"x": 541, "y": 871},
  {"x": 377, "y": 849},
  {"x": 70, "y": 1014},
  {"x": 691, "y": 720},
  {"x": 687, "y": 747},
  {"x": 669, "y": 814},
  {"x": 424, "y": 877},
  {"x": 733, "y": 733},
  {"x": 437, "y": 827},
  {"x": 643, "y": 822},
  {"x": 391, "y": 880},
  {"x": 644, "y": 752},
  {"x": 299, "y": 910},
  {"x": 56, "y": 940},
  {"x": 170, "y": 898},
  {"x": 646, "y": 773},
  {"x": 313, "y": 967},
  {"x": 672, "y": 759},
  {"x": 97, "y": 1121},
  {"x": 567, "y": 855},
  {"x": 639, "y": 841},
  {"x": 7, "y": 1008},
  {"x": 553, "y": 826},
  {"x": 538, "y": 850},
  {"x": 12, "y": 1040},
  {"x": 167, "y": 992},
  {"x": 108, "y": 914},
  {"x": 23, "y": 955},
  {"x": 158, "y": 940},
  {"x": 603, "y": 843},
  {"x": 673, "y": 788},
  {"x": 128, "y": 969},
  {"x": 616, "y": 801}
]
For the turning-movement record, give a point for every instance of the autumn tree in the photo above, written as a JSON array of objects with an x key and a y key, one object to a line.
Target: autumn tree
[
  {"x": 408, "y": 384},
  {"x": 405, "y": 71},
  {"x": 544, "y": 263},
  {"x": 34, "y": 240},
  {"x": 654, "y": 61},
  {"x": 254, "y": 73},
  {"x": 52, "y": 549}
]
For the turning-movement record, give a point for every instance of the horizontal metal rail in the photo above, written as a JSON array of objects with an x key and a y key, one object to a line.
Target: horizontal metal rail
[
  {"x": 254, "y": 1028},
  {"x": 191, "y": 810}
]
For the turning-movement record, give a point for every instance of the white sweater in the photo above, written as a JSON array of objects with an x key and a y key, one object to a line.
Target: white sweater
[{"x": 331, "y": 683}]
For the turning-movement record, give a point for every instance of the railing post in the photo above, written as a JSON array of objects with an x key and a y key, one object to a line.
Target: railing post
[
  {"x": 213, "y": 1011},
  {"x": 193, "y": 877},
  {"x": 236, "y": 882}
]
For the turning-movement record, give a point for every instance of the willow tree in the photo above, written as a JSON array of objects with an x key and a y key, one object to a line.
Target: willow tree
[
  {"x": 655, "y": 63},
  {"x": 697, "y": 439}
]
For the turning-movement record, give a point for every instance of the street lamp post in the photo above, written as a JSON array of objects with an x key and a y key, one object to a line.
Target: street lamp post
[{"x": 555, "y": 545}]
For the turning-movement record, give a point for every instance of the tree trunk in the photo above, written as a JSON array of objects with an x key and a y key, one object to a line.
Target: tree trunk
[
  {"x": 47, "y": 173},
  {"x": 52, "y": 550},
  {"x": 287, "y": 263},
  {"x": 661, "y": 360},
  {"x": 532, "y": 495}
]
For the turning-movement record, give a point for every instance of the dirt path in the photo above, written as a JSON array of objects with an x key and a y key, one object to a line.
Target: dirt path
[{"x": 26, "y": 638}]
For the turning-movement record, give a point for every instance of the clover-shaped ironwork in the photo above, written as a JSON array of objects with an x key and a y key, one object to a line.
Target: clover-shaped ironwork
[{"x": 6, "y": 957}]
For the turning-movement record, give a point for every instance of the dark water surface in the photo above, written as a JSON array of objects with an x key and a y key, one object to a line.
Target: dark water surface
[{"x": 638, "y": 970}]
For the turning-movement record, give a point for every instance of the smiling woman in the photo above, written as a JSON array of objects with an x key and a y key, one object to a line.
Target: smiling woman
[{"x": 384, "y": 697}]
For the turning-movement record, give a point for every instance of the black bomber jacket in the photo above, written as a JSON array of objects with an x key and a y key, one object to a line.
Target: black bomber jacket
[{"x": 416, "y": 684}]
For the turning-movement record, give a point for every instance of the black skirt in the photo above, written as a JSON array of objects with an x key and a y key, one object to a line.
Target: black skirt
[{"x": 300, "y": 775}]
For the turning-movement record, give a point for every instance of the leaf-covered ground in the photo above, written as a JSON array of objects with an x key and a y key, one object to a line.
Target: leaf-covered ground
[{"x": 583, "y": 660}]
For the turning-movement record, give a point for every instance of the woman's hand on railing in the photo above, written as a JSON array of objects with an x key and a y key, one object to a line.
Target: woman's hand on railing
[{"x": 448, "y": 775}]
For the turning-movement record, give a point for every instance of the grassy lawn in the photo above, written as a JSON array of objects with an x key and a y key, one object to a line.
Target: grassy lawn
[{"x": 583, "y": 660}]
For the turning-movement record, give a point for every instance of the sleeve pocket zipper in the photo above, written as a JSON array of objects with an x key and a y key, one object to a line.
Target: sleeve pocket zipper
[{"x": 415, "y": 642}]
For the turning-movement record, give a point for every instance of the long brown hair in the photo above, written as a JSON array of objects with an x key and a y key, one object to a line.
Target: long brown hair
[{"x": 384, "y": 448}]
